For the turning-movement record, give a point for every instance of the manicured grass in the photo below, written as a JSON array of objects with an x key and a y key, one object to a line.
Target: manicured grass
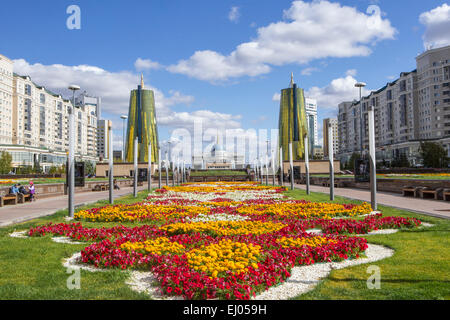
[
  {"x": 31, "y": 268},
  {"x": 419, "y": 269}
]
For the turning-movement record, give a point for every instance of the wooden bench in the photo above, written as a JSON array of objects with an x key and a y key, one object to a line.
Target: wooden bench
[
  {"x": 411, "y": 191},
  {"x": 101, "y": 187},
  {"x": 9, "y": 198},
  {"x": 430, "y": 193},
  {"x": 446, "y": 195},
  {"x": 24, "y": 197}
]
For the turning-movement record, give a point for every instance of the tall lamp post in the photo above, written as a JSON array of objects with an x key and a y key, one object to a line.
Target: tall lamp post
[
  {"x": 71, "y": 160},
  {"x": 111, "y": 163},
  {"x": 123, "y": 117},
  {"x": 360, "y": 85}
]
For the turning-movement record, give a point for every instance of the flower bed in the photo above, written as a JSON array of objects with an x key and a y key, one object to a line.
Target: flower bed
[{"x": 209, "y": 246}]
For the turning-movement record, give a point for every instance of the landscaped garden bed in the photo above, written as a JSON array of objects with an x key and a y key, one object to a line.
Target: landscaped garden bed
[{"x": 221, "y": 240}]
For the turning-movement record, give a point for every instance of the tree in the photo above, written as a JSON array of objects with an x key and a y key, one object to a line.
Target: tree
[
  {"x": 351, "y": 161},
  {"x": 89, "y": 168},
  {"x": 5, "y": 162},
  {"x": 434, "y": 155},
  {"x": 401, "y": 162}
]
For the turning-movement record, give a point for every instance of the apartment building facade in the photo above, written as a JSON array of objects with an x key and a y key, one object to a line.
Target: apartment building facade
[
  {"x": 311, "y": 119},
  {"x": 334, "y": 127},
  {"x": 411, "y": 109},
  {"x": 103, "y": 142},
  {"x": 38, "y": 122}
]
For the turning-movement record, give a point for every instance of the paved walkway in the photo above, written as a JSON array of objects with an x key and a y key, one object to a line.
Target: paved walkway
[
  {"x": 10, "y": 214},
  {"x": 436, "y": 208}
]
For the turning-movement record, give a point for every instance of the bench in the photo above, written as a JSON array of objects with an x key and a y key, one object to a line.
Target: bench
[
  {"x": 446, "y": 195},
  {"x": 24, "y": 197},
  {"x": 9, "y": 198},
  {"x": 411, "y": 191},
  {"x": 101, "y": 187},
  {"x": 430, "y": 193}
]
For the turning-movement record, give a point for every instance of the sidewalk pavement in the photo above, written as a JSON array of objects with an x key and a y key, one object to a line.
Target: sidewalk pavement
[
  {"x": 435, "y": 208},
  {"x": 10, "y": 214}
]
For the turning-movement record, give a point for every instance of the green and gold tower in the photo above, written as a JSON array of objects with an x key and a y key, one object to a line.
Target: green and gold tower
[
  {"x": 292, "y": 121},
  {"x": 142, "y": 124}
]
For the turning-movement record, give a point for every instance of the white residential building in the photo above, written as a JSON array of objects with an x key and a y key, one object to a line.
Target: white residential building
[
  {"x": 6, "y": 100},
  {"x": 34, "y": 122},
  {"x": 311, "y": 118},
  {"x": 335, "y": 142},
  {"x": 103, "y": 143}
]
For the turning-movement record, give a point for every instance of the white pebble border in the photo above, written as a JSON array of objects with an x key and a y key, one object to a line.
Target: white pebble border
[
  {"x": 305, "y": 278},
  {"x": 19, "y": 234}
]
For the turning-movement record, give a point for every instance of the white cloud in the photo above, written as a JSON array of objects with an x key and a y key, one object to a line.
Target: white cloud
[
  {"x": 308, "y": 71},
  {"x": 146, "y": 64},
  {"x": 339, "y": 90},
  {"x": 114, "y": 89},
  {"x": 437, "y": 23},
  {"x": 276, "y": 97},
  {"x": 309, "y": 31},
  {"x": 234, "y": 14}
]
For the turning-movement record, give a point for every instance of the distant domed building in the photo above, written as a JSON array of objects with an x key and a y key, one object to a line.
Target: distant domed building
[{"x": 217, "y": 158}]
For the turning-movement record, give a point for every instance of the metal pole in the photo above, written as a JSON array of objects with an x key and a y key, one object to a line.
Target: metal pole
[
  {"x": 135, "y": 167},
  {"x": 111, "y": 165},
  {"x": 273, "y": 168},
  {"x": 149, "y": 170},
  {"x": 307, "y": 164},
  {"x": 261, "y": 171},
  {"x": 123, "y": 139},
  {"x": 267, "y": 171},
  {"x": 331, "y": 159},
  {"x": 71, "y": 161},
  {"x": 373, "y": 164},
  {"x": 167, "y": 169},
  {"x": 281, "y": 167},
  {"x": 173, "y": 173},
  {"x": 159, "y": 167},
  {"x": 291, "y": 163}
]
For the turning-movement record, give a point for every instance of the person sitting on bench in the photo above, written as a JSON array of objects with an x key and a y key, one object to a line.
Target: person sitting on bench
[
  {"x": 14, "y": 189},
  {"x": 32, "y": 191},
  {"x": 116, "y": 186},
  {"x": 22, "y": 189}
]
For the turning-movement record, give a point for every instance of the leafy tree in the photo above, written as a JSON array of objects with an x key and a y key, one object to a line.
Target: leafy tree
[
  {"x": 89, "y": 168},
  {"x": 351, "y": 162},
  {"x": 434, "y": 155},
  {"x": 401, "y": 162},
  {"x": 5, "y": 162}
]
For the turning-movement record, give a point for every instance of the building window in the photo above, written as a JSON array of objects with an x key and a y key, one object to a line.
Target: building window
[
  {"x": 42, "y": 98},
  {"x": 28, "y": 90}
]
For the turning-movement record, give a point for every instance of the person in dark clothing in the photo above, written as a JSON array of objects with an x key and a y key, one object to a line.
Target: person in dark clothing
[
  {"x": 22, "y": 189},
  {"x": 116, "y": 186}
]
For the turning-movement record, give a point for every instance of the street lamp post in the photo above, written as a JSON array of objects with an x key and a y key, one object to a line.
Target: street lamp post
[
  {"x": 291, "y": 163},
  {"x": 281, "y": 167},
  {"x": 123, "y": 117},
  {"x": 331, "y": 159},
  {"x": 71, "y": 160},
  {"x": 167, "y": 169},
  {"x": 135, "y": 184},
  {"x": 111, "y": 164},
  {"x": 372, "y": 156},
  {"x": 273, "y": 168},
  {"x": 307, "y": 164},
  {"x": 149, "y": 173},
  {"x": 159, "y": 167},
  {"x": 360, "y": 85}
]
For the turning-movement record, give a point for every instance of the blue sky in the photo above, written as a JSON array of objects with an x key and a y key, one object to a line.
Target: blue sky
[{"x": 223, "y": 85}]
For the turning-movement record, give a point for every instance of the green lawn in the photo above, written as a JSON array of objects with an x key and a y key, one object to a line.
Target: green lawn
[
  {"x": 419, "y": 269},
  {"x": 384, "y": 176}
]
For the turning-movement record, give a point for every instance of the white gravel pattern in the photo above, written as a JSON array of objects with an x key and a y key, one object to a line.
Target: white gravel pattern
[
  {"x": 306, "y": 278},
  {"x": 19, "y": 234}
]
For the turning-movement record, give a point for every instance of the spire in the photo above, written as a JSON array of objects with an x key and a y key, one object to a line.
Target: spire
[
  {"x": 142, "y": 81},
  {"x": 291, "y": 85}
]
